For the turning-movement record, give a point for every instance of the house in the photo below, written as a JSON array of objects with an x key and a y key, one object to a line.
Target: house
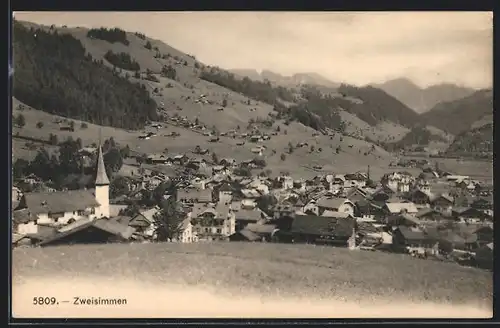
[
  {"x": 157, "y": 159},
  {"x": 254, "y": 232},
  {"x": 420, "y": 197},
  {"x": 225, "y": 193},
  {"x": 100, "y": 230},
  {"x": 321, "y": 230},
  {"x": 442, "y": 203},
  {"x": 368, "y": 211},
  {"x": 286, "y": 182},
  {"x": 407, "y": 238},
  {"x": 211, "y": 223},
  {"x": 397, "y": 208},
  {"x": 469, "y": 215},
  {"x": 144, "y": 222},
  {"x": 457, "y": 178},
  {"x": 192, "y": 195},
  {"x": 354, "y": 180},
  {"x": 244, "y": 217},
  {"x": 187, "y": 235},
  {"x": 335, "y": 204},
  {"x": 244, "y": 235},
  {"x": 482, "y": 203},
  {"x": 429, "y": 215},
  {"x": 356, "y": 194},
  {"x": 403, "y": 219}
]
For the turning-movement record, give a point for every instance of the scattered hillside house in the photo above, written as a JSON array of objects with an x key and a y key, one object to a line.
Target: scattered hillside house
[
  {"x": 335, "y": 204},
  {"x": 286, "y": 182},
  {"x": 255, "y": 138},
  {"x": 100, "y": 230},
  {"x": 442, "y": 203},
  {"x": 64, "y": 207},
  {"x": 157, "y": 159},
  {"x": 457, "y": 178},
  {"x": 212, "y": 223},
  {"x": 320, "y": 230},
  {"x": 405, "y": 239}
]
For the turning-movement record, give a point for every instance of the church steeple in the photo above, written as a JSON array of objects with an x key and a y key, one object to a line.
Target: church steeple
[{"x": 101, "y": 177}]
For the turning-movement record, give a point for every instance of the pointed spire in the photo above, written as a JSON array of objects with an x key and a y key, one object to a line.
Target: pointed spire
[{"x": 101, "y": 177}]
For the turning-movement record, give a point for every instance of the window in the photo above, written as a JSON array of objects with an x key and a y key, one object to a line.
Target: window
[
  {"x": 92, "y": 210},
  {"x": 207, "y": 230},
  {"x": 219, "y": 231},
  {"x": 81, "y": 213}
]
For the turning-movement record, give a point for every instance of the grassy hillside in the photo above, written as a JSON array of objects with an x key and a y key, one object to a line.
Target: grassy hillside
[
  {"x": 476, "y": 140},
  {"x": 458, "y": 116},
  {"x": 266, "y": 269},
  {"x": 179, "y": 94},
  {"x": 54, "y": 73}
]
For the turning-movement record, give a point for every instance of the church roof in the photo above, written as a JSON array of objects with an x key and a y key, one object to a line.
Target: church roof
[
  {"x": 101, "y": 177},
  {"x": 59, "y": 201}
]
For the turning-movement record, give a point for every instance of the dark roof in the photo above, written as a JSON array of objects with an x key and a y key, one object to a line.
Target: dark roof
[
  {"x": 322, "y": 225},
  {"x": 104, "y": 224},
  {"x": 414, "y": 235},
  {"x": 23, "y": 216},
  {"x": 248, "y": 215},
  {"x": 331, "y": 203},
  {"x": 60, "y": 201},
  {"x": 249, "y": 235},
  {"x": 425, "y": 211},
  {"x": 203, "y": 195}
]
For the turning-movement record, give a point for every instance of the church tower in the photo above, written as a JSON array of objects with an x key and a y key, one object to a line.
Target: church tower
[{"x": 102, "y": 187}]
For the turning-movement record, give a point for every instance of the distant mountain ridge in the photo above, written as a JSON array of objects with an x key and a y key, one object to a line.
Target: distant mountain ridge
[
  {"x": 423, "y": 99},
  {"x": 298, "y": 79}
]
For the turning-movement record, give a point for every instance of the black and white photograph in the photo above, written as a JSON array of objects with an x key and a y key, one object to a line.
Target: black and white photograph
[{"x": 218, "y": 164}]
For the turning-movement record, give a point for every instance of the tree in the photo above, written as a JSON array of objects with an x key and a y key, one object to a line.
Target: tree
[
  {"x": 53, "y": 139},
  {"x": 224, "y": 102},
  {"x": 125, "y": 151},
  {"x": 265, "y": 203},
  {"x": 283, "y": 157},
  {"x": 72, "y": 125},
  {"x": 312, "y": 148},
  {"x": 20, "y": 168},
  {"x": 118, "y": 186},
  {"x": 215, "y": 159},
  {"x": 39, "y": 125},
  {"x": 197, "y": 149},
  {"x": 83, "y": 125},
  {"x": 168, "y": 223},
  {"x": 148, "y": 45},
  {"x": 113, "y": 160},
  {"x": 20, "y": 120},
  {"x": 79, "y": 143},
  {"x": 290, "y": 148}
]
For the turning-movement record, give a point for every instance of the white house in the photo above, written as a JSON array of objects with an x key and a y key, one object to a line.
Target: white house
[
  {"x": 60, "y": 208},
  {"x": 335, "y": 204}
]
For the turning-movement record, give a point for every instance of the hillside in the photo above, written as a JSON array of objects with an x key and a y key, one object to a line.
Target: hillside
[
  {"x": 293, "y": 81},
  {"x": 423, "y": 99},
  {"x": 54, "y": 73},
  {"x": 459, "y": 115},
  {"x": 180, "y": 87},
  {"x": 477, "y": 140}
]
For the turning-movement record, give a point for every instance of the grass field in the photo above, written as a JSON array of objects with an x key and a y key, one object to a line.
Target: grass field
[{"x": 273, "y": 270}]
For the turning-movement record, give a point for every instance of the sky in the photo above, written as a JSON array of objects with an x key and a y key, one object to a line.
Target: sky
[{"x": 351, "y": 47}]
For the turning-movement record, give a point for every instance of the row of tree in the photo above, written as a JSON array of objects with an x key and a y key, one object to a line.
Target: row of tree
[
  {"x": 122, "y": 60},
  {"x": 112, "y": 35}
]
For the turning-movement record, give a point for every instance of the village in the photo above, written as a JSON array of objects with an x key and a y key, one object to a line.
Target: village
[{"x": 194, "y": 197}]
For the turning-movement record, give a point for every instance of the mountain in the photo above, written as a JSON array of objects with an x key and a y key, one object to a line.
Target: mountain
[
  {"x": 119, "y": 82},
  {"x": 423, "y": 99},
  {"x": 458, "y": 116},
  {"x": 294, "y": 80}
]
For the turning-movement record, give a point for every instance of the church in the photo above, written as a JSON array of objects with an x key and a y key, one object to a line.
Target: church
[{"x": 61, "y": 208}]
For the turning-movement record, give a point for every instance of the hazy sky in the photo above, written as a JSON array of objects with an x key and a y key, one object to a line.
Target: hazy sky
[{"x": 352, "y": 47}]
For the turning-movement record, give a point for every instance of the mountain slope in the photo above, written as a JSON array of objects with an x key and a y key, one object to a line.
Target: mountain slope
[
  {"x": 185, "y": 97},
  {"x": 459, "y": 115},
  {"x": 293, "y": 81},
  {"x": 476, "y": 140},
  {"x": 423, "y": 99}
]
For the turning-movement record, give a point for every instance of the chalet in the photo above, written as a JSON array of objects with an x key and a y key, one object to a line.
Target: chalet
[
  {"x": 187, "y": 235},
  {"x": 442, "y": 203},
  {"x": 178, "y": 159},
  {"x": 244, "y": 217},
  {"x": 368, "y": 211},
  {"x": 356, "y": 194},
  {"x": 381, "y": 195},
  {"x": 255, "y": 138},
  {"x": 403, "y": 220},
  {"x": 157, "y": 159},
  {"x": 255, "y": 232},
  {"x": 192, "y": 195},
  {"x": 354, "y": 180},
  {"x": 100, "y": 230},
  {"x": 320, "y": 230},
  {"x": 144, "y": 222},
  {"x": 469, "y": 215},
  {"x": 281, "y": 210},
  {"x": 397, "y": 208},
  {"x": 404, "y": 238},
  {"x": 213, "y": 223},
  {"x": 213, "y": 139},
  {"x": 457, "y": 178},
  {"x": 335, "y": 204},
  {"x": 420, "y": 197},
  {"x": 429, "y": 215}
]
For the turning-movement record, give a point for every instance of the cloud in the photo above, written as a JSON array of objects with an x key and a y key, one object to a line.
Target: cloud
[{"x": 353, "y": 47}]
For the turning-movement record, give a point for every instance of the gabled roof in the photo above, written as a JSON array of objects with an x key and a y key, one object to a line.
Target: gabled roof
[
  {"x": 425, "y": 211},
  {"x": 60, "y": 201},
  {"x": 248, "y": 215},
  {"x": 331, "y": 203},
  {"x": 261, "y": 228},
  {"x": 321, "y": 225},
  {"x": 398, "y": 207},
  {"x": 335, "y": 214}
]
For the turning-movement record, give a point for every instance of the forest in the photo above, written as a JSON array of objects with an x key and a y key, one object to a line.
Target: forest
[{"x": 53, "y": 73}]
